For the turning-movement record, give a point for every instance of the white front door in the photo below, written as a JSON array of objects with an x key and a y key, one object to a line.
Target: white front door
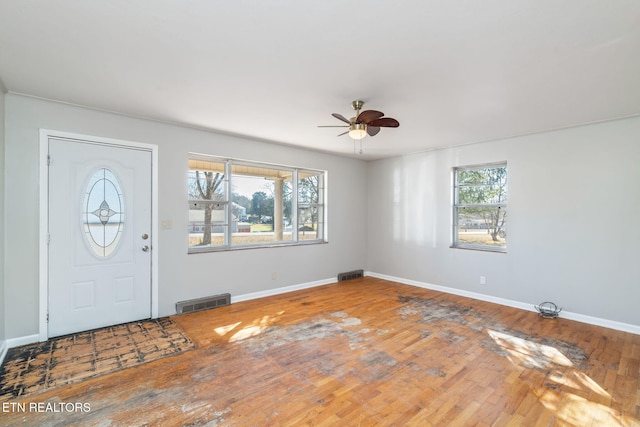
[{"x": 99, "y": 271}]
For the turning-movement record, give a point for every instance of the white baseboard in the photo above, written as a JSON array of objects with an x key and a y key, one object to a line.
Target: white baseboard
[
  {"x": 612, "y": 324},
  {"x": 277, "y": 291},
  {"x": 27, "y": 339},
  {"x": 16, "y": 342}
]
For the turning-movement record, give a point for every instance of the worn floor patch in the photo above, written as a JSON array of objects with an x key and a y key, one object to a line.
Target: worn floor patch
[
  {"x": 275, "y": 341},
  {"x": 278, "y": 336},
  {"x": 529, "y": 351},
  {"x": 535, "y": 352},
  {"x": 432, "y": 310},
  {"x": 71, "y": 358}
]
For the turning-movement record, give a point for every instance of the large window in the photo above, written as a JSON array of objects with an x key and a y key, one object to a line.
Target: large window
[
  {"x": 237, "y": 204},
  {"x": 480, "y": 207}
]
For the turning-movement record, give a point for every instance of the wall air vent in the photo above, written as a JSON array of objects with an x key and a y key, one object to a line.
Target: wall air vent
[
  {"x": 350, "y": 275},
  {"x": 203, "y": 303}
]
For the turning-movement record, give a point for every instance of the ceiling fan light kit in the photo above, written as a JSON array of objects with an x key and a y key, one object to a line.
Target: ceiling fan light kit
[
  {"x": 364, "y": 123},
  {"x": 357, "y": 131}
]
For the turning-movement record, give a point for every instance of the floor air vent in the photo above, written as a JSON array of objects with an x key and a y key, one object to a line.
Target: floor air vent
[
  {"x": 349, "y": 275},
  {"x": 203, "y": 303}
]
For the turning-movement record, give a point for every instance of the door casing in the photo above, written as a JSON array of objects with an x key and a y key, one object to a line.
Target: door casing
[{"x": 43, "y": 233}]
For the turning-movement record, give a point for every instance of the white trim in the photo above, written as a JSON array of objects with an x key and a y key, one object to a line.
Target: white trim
[
  {"x": 43, "y": 262},
  {"x": 155, "y": 227},
  {"x": 612, "y": 324},
  {"x": 43, "y": 238},
  {"x": 277, "y": 291},
  {"x": 3, "y": 351},
  {"x": 20, "y": 341}
]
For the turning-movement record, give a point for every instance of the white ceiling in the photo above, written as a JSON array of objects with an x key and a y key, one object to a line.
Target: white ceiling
[{"x": 451, "y": 71}]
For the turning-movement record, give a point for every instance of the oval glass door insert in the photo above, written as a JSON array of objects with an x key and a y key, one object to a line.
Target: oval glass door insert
[{"x": 103, "y": 213}]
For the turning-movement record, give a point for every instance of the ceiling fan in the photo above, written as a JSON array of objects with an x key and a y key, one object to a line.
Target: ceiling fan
[{"x": 364, "y": 123}]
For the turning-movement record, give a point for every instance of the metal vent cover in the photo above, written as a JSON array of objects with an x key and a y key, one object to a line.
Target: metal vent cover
[
  {"x": 350, "y": 275},
  {"x": 205, "y": 303}
]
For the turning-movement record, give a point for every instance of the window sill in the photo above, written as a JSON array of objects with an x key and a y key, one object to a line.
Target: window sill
[
  {"x": 480, "y": 248},
  {"x": 196, "y": 250}
]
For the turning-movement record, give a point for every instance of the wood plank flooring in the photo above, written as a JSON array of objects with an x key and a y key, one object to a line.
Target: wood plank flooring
[{"x": 367, "y": 352}]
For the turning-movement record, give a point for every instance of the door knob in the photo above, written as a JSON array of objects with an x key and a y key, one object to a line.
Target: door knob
[
  {"x": 145, "y": 248},
  {"x": 145, "y": 236}
]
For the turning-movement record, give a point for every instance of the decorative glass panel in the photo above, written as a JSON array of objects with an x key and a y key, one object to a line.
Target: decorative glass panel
[{"x": 103, "y": 213}]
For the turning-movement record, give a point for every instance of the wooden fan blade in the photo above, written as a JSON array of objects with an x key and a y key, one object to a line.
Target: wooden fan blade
[
  {"x": 373, "y": 130},
  {"x": 385, "y": 122},
  {"x": 343, "y": 133},
  {"x": 369, "y": 115},
  {"x": 341, "y": 117}
]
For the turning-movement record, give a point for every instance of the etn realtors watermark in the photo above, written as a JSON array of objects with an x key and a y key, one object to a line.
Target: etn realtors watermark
[{"x": 44, "y": 407}]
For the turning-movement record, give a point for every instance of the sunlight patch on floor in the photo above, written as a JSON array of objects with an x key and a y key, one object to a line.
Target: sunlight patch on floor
[
  {"x": 255, "y": 328},
  {"x": 561, "y": 374},
  {"x": 579, "y": 381},
  {"x": 529, "y": 354},
  {"x": 579, "y": 411},
  {"x": 224, "y": 330}
]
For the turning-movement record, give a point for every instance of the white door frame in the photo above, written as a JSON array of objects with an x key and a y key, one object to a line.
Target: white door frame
[{"x": 43, "y": 233}]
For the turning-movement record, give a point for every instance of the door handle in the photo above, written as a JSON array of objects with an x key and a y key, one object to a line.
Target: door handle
[
  {"x": 145, "y": 236},
  {"x": 145, "y": 248}
]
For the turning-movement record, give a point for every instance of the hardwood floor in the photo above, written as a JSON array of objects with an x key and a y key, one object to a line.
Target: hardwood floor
[{"x": 363, "y": 353}]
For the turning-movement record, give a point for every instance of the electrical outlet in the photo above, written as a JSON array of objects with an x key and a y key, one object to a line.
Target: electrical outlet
[
  {"x": 483, "y": 280},
  {"x": 274, "y": 276}
]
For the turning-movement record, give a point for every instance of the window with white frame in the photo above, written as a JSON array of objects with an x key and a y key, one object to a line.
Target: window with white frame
[
  {"x": 480, "y": 207},
  {"x": 238, "y": 204}
]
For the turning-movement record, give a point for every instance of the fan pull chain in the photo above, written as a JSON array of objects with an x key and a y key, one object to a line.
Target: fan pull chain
[{"x": 354, "y": 147}]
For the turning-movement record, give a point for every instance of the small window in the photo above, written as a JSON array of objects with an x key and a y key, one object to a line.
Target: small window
[
  {"x": 237, "y": 204},
  {"x": 480, "y": 207}
]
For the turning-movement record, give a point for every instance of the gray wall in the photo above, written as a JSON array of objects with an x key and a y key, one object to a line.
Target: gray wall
[
  {"x": 573, "y": 225},
  {"x": 181, "y": 276},
  {"x": 573, "y": 229},
  {"x": 2, "y": 241}
]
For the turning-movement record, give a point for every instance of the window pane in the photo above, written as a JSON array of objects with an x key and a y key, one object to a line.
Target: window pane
[
  {"x": 488, "y": 175},
  {"x": 482, "y": 194},
  {"x": 207, "y": 224},
  {"x": 261, "y": 205},
  {"x": 206, "y": 180},
  {"x": 482, "y": 226},
  {"x": 309, "y": 188},
  {"x": 310, "y": 206},
  {"x": 208, "y": 201},
  {"x": 310, "y": 223}
]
